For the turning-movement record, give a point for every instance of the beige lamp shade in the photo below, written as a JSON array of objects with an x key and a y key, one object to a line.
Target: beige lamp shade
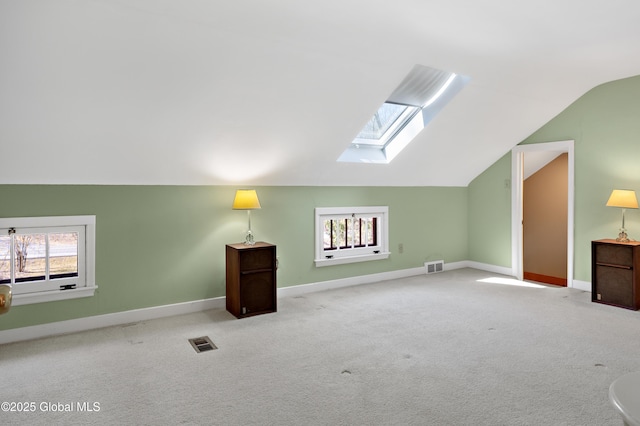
[
  {"x": 246, "y": 199},
  {"x": 623, "y": 198}
]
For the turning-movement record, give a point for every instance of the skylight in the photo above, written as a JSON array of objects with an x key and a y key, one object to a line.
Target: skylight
[
  {"x": 385, "y": 123},
  {"x": 416, "y": 101}
]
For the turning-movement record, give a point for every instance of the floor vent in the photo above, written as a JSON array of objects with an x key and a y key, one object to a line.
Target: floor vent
[
  {"x": 202, "y": 344},
  {"x": 435, "y": 266}
]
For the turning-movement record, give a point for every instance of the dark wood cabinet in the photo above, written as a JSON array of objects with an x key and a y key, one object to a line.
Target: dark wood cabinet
[
  {"x": 615, "y": 276},
  {"x": 251, "y": 279}
]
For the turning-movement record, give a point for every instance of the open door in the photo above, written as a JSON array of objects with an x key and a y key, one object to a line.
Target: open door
[
  {"x": 517, "y": 201},
  {"x": 544, "y": 225}
]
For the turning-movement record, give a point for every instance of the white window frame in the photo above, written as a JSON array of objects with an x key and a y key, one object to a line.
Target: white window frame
[
  {"x": 357, "y": 254},
  {"x": 46, "y": 291}
]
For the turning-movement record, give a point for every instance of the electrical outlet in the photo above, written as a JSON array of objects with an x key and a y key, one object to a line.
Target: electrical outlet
[{"x": 400, "y": 248}]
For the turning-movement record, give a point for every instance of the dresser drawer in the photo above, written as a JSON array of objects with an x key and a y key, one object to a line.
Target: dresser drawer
[
  {"x": 252, "y": 260},
  {"x": 614, "y": 254},
  {"x": 614, "y": 285}
]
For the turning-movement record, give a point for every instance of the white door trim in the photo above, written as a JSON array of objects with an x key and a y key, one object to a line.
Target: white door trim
[{"x": 517, "y": 159}]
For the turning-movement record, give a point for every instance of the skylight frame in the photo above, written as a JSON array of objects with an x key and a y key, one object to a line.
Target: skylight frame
[
  {"x": 398, "y": 124},
  {"x": 419, "y": 88}
]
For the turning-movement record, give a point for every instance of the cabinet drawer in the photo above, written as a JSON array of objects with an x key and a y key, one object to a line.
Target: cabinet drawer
[
  {"x": 256, "y": 260},
  {"x": 614, "y": 254},
  {"x": 257, "y": 293},
  {"x": 614, "y": 286}
]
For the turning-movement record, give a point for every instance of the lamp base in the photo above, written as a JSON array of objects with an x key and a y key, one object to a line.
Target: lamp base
[
  {"x": 248, "y": 240},
  {"x": 5, "y": 298},
  {"x": 623, "y": 237}
]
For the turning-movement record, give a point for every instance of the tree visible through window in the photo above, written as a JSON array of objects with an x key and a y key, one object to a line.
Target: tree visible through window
[
  {"x": 39, "y": 256},
  {"x": 350, "y": 233},
  {"x": 48, "y": 258}
]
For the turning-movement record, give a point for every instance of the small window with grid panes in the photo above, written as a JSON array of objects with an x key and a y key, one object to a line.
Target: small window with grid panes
[{"x": 351, "y": 234}]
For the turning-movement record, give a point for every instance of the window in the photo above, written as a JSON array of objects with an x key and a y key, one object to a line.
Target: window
[
  {"x": 48, "y": 258},
  {"x": 351, "y": 234},
  {"x": 416, "y": 101}
]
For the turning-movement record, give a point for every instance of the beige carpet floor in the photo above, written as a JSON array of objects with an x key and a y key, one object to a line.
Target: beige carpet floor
[{"x": 442, "y": 349}]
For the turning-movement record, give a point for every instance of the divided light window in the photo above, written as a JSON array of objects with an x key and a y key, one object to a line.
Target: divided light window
[
  {"x": 345, "y": 233},
  {"x": 39, "y": 255},
  {"x": 45, "y": 263},
  {"x": 351, "y": 234}
]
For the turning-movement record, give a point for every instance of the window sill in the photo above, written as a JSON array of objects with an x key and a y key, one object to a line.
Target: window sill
[
  {"x": 351, "y": 259},
  {"x": 51, "y": 296}
]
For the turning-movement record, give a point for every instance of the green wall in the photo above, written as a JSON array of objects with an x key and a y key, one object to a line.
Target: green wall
[
  {"x": 159, "y": 245},
  {"x": 490, "y": 215},
  {"x": 605, "y": 125}
]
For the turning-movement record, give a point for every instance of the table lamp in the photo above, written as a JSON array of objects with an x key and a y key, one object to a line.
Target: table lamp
[
  {"x": 247, "y": 199},
  {"x": 624, "y": 199}
]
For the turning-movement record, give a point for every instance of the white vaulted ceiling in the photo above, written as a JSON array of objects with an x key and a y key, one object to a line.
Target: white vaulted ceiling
[{"x": 272, "y": 92}]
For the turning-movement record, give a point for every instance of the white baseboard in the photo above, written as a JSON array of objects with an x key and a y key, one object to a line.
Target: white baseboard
[
  {"x": 577, "y": 284},
  {"x": 503, "y": 270},
  {"x": 366, "y": 279},
  {"x": 582, "y": 285},
  {"x": 136, "y": 315},
  {"x": 298, "y": 290},
  {"x": 108, "y": 320}
]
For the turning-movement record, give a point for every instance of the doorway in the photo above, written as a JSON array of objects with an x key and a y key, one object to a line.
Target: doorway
[
  {"x": 544, "y": 214},
  {"x": 525, "y": 159}
]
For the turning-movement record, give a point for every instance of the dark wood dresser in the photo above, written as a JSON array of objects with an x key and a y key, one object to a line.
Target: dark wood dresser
[
  {"x": 251, "y": 279},
  {"x": 615, "y": 276}
]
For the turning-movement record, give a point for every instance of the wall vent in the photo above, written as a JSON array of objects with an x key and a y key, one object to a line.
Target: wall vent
[{"x": 435, "y": 266}]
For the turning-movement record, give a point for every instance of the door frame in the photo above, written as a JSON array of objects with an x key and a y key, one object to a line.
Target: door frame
[{"x": 517, "y": 192}]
